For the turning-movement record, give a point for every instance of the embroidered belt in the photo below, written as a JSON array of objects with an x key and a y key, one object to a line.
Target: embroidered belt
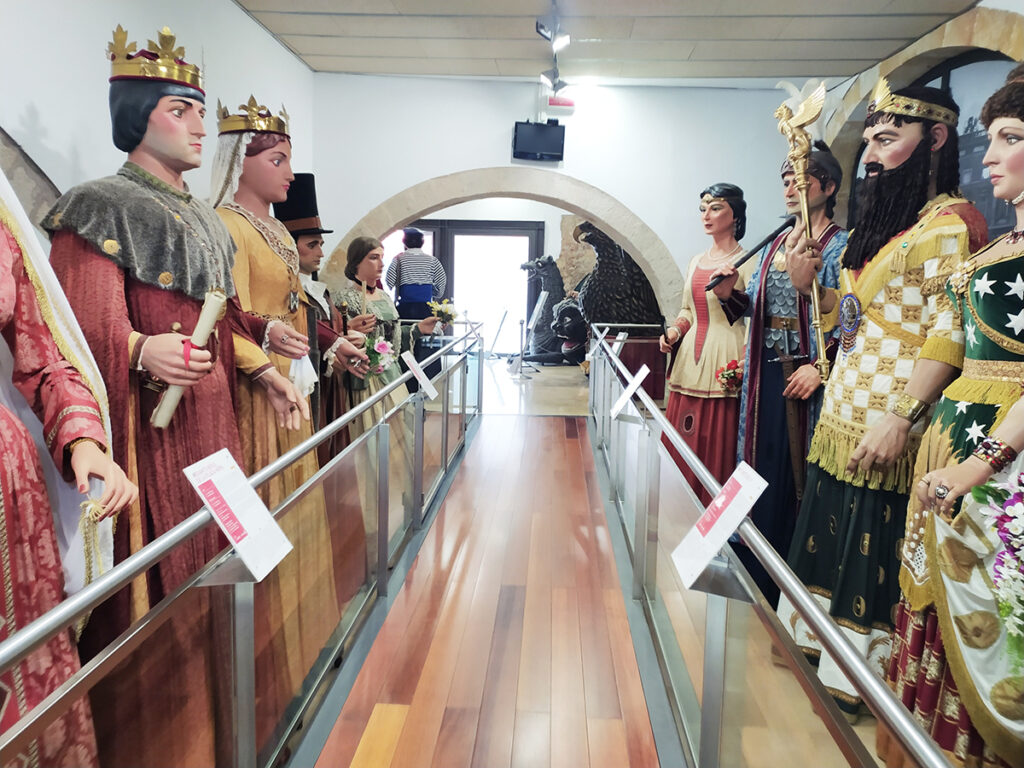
[
  {"x": 994, "y": 370},
  {"x": 783, "y": 323}
]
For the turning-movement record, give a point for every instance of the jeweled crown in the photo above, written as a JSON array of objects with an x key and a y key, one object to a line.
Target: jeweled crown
[
  {"x": 884, "y": 100},
  {"x": 161, "y": 60},
  {"x": 253, "y": 117}
]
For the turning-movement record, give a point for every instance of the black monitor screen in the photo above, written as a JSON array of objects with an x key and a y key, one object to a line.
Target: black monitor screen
[{"x": 538, "y": 141}]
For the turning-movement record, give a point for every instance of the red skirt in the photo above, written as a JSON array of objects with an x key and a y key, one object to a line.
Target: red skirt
[
  {"x": 710, "y": 426},
  {"x": 921, "y": 679}
]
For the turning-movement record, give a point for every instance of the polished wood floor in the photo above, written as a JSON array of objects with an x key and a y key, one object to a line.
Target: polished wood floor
[{"x": 508, "y": 643}]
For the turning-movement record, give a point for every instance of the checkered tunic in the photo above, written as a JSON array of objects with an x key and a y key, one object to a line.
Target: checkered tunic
[{"x": 905, "y": 315}]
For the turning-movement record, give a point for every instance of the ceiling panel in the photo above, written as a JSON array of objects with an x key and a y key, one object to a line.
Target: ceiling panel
[
  {"x": 483, "y": 28},
  {"x": 773, "y": 50},
  {"x": 642, "y": 39}
]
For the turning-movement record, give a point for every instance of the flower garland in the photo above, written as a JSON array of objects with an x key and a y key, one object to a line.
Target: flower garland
[{"x": 1004, "y": 511}]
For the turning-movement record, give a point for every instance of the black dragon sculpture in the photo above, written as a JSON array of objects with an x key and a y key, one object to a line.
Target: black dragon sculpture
[{"x": 546, "y": 270}]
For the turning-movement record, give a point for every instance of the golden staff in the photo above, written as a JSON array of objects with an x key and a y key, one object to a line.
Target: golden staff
[{"x": 792, "y": 127}]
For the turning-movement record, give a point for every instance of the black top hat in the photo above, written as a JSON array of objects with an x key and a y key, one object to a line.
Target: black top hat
[{"x": 299, "y": 213}]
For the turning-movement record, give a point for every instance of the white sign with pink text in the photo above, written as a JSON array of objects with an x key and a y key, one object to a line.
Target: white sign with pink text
[
  {"x": 240, "y": 512},
  {"x": 721, "y": 518}
]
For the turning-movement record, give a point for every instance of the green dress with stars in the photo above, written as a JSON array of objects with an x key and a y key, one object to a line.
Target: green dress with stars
[{"x": 949, "y": 663}]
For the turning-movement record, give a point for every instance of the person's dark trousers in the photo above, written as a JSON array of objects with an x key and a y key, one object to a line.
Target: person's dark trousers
[{"x": 417, "y": 310}]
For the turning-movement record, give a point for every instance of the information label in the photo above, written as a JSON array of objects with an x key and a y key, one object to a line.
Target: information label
[
  {"x": 241, "y": 514},
  {"x": 721, "y": 518},
  {"x": 421, "y": 377}
]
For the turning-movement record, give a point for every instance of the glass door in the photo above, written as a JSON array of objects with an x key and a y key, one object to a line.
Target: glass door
[{"x": 488, "y": 284}]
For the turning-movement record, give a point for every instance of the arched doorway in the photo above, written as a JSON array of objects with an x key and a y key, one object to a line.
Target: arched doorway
[{"x": 551, "y": 187}]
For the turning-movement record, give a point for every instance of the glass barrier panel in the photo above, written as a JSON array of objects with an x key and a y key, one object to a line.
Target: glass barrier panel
[
  {"x": 401, "y": 448},
  {"x": 331, "y": 523},
  {"x": 763, "y": 731},
  {"x": 433, "y": 453},
  {"x": 627, "y": 432},
  {"x": 455, "y": 406},
  {"x": 678, "y": 614},
  {"x": 169, "y": 701},
  {"x": 473, "y": 380}
]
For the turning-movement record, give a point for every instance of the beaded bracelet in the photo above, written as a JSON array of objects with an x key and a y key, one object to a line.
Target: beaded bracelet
[{"x": 994, "y": 451}]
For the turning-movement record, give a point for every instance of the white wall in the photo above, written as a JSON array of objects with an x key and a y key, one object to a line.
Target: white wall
[
  {"x": 53, "y": 92},
  {"x": 369, "y": 137},
  {"x": 654, "y": 149}
]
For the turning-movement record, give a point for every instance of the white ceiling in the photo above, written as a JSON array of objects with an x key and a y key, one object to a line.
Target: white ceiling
[{"x": 611, "y": 39}]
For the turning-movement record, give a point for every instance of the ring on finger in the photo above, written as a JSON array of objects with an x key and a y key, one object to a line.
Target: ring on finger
[
  {"x": 285, "y": 339},
  {"x": 941, "y": 492}
]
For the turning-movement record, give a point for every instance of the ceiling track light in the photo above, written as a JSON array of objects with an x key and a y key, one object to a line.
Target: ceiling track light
[{"x": 550, "y": 28}]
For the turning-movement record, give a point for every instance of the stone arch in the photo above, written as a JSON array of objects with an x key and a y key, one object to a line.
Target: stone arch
[
  {"x": 551, "y": 187},
  {"x": 979, "y": 28}
]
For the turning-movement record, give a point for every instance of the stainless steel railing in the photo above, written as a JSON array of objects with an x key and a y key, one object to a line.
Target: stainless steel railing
[
  {"x": 467, "y": 349},
  {"x": 608, "y": 378}
]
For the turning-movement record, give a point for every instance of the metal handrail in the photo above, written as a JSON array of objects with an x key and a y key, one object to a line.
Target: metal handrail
[
  {"x": 68, "y": 611},
  {"x": 879, "y": 699}
]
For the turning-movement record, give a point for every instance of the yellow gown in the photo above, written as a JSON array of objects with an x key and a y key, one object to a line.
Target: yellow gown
[{"x": 297, "y": 606}]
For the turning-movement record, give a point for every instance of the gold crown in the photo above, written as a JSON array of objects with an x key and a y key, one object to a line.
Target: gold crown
[
  {"x": 160, "y": 61},
  {"x": 884, "y": 100},
  {"x": 253, "y": 117}
]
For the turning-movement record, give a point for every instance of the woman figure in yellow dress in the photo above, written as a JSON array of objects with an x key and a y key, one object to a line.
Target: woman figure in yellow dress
[{"x": 296, "y": 606}]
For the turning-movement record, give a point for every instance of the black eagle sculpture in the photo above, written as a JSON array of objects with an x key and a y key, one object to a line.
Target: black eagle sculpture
[{"x": 617, "y": 290}]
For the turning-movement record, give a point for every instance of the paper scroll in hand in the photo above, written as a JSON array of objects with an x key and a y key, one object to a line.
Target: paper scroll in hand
[{"x": 213, "y": 310}]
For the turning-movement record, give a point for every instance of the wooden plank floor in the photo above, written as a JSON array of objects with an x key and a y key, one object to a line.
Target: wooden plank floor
[{"x": 508, "y": 643}]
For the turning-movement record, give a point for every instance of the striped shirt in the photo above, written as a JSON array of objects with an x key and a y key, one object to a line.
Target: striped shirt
[{"x": 417, "y": 268}]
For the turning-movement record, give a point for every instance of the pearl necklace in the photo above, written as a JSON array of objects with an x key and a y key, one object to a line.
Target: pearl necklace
[{"x": 725, "y": 257}]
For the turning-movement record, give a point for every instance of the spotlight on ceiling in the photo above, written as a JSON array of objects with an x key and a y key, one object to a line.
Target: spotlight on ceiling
[
  {"x": 550, "y": 28},
  {"x": 551, "y": 79}
]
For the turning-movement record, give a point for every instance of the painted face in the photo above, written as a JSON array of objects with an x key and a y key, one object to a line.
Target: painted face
[
  {"x": 888, "y": 146},
  {"x": 371, "y": 267},
  {"x": 174, "y": 133},
  {"x": 716, "y": 215},
  {"x": 311, "y": 253},
  {"x": 816, "y": 196},
  {"x": 1005, "y": 157},
  {"x": 269, "y": 173}
]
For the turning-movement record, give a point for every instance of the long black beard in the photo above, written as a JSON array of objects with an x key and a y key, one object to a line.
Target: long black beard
[{"x": 888, "y": 203}]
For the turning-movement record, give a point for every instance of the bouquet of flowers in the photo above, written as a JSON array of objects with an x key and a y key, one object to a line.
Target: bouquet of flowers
[
  {"x": 1005, "y": 513},
  {"x": 730, "y": 376},
  {"x": 443, "y": 309},
  {"x": 381, "y": 354}
]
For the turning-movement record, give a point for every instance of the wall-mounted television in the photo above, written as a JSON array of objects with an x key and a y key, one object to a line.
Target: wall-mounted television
[{"x": 538, "y": 141}]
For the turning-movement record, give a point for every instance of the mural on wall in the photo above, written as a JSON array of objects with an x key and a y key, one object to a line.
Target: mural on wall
[
  {"x": 971, "y": 84},
  {"x": 576, "y": 260}
]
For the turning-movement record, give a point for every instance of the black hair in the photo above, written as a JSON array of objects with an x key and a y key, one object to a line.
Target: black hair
[
  {"x": 947, "y": 175},
  {"x": 132, "y": 101},
  {"x": 733, "y": 195},
  {"x": 823, "y": 166}
]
